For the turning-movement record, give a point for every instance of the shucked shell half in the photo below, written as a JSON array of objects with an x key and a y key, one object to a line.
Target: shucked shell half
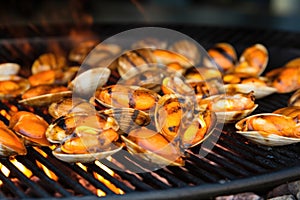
[
  {"x": 12, "y": 86},
  {"x": 295, "y": 99},
  {"x": 9, "y": 69},
  {"x": 267, "y": 136}
]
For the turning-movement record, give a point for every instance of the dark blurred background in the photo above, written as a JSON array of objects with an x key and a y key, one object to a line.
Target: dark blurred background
[{"x": 266, "y": 14}]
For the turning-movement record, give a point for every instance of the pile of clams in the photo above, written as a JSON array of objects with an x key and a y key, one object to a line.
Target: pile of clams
[{"x": 154, "y": 102}]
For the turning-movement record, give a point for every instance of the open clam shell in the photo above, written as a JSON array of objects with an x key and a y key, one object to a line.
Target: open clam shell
[
  {"x": 128, "y": 119},
  {"x": 151, "y": 156},
  {"x": 12, "y": 86},
  {"x": 48, "y": 98},
  {"x": 124, "y": 96},
  {"x": 259, "y": 91},
  {"x": 253, "y": 60},
  {"x": 261, "y": 137},
  {"x": 86, "y": 157},
  {"x": 10, "y": 144},
  {"x": 7, "y": 69},
  {"x": 86, "y": 83}
]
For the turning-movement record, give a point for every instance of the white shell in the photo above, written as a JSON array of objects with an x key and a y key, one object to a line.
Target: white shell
[
  {"x": 84, "y": 158},
  {"x": 259, "y": 91},
  {"x": 9, "y": 69},
  {"x": 270, "y": 140},
  {"x": 45, "y": 99},
  {"x": 86, "y": 83},
  {"x": 233, "y": 116}
]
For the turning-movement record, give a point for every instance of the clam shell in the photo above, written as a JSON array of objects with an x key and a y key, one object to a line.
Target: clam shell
[
  {"x": 45, "y": 99},
  {"x": 270, "y": 139},
  {"x": 149, "y": 156},
  {"x": 9, "y": 69},
  {"x": 11, "y": 92},
  {"x": 259, "y": 91},
  {"x": 233, "y": 116},
  {"x": 294, "y": 100},
  {"x": 128, "y": 118},
  {"x": 10, "y": 144},
  {"x": 258, "y": 47},
  {"x": 85, "y": 158},
  {"x": 48, "y": 61},
  {"x": 86, "y": 83}
]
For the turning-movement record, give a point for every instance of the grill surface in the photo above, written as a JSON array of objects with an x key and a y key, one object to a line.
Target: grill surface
[{"x": 233, "y": 165}]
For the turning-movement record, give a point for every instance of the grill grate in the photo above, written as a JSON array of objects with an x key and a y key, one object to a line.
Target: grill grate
[{"x": 233, "y": 165}]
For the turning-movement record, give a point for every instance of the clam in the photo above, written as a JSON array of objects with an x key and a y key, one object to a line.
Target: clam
[
  {"x": 48, "y": 61},
  {"x": 295, "y": 99},
  {"x": 7, "y": 69},
  {"x": 128, "y": 118},
  {"x": 85, "y": 157},
  {"x": 201, "y": 74},
  {"x": 224, "y": 55},
  {"x": 10, "y": 144},
  {"x": 173, "y": 114},
  {"x": 12, "y": 86},
  {"x": 43, "y": 95},
  {"x": 30, "y": 127},
  {"x": 83, "y": 137},
  {"x": 132, "y": 62},
  {"x": 285, "y": 79},
  {"x": 51, "y": 76},
  {"x": 166, "y": 57},
  {"x": 256, "y": 84},
  {"x": 87, "y": 145},
  {"x": 292, "y": 111},
  {"x": 269, "y": 129},
  {"x": 122, "y": 96},
  {"x": 63, "y": 127},
  {"x": 70, "y": 105},
  {"x": 151, "y": 43},
  {"x": 102, "y": 55},
  {"x": 200, "y": 129},
  {"x": 230, "y": 107},
  {"x": 85, "y": 84},
  {"x": 80, "y": 51},
  {"x": 151, "y": 146},
  {"x": 253, "y": 60},
  {"x": 188, "y": 49},
  {"x": 176, "y": 85}
]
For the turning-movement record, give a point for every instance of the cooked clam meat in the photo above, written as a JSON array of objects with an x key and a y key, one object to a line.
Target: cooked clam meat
[
  {"x": 12, "y": 86},
  {"x": 122, "y": 96},
  {"x": 30, "y": 127},
  {"x": 47, "y": 62},
  {"x": 292, "y": 111},
  {"x": 224, "y": 55},
  {"x": 153, "y": 147},
  {"x": 253, "y": 60},
  {"x": 10, "y": 144}
]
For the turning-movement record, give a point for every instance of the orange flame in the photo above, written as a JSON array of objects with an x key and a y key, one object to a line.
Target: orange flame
[
  {"x": 4, "y": 171},
  {"x": 47, "y": 171},
  {"x": 21, "y": 167}
]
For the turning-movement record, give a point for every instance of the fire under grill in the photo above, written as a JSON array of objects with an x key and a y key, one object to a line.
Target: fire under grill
[{"x": 233, "y": 165}]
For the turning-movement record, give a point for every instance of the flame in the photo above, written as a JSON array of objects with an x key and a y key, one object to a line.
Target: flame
[
  {"x": 109, "y": 171},
  {"x": 5, "y": 114},
  {"x": 21, "y": 167},
  {"x": 47, "y": 171},
  {"x": 4, "y": 171}
]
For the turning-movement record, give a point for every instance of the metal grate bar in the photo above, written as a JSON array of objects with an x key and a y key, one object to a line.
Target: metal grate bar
[
  {"x": 199, "y": 172},
  {"x": 110, "y": 178},
  {"x": 171, "y": 178},
  {"x": 9, "y": 185},
  {"x": 62, "y": 177},
  {"x": 183, "y": 175},
  {"x": 37, "y": 172},
  {"x": 37, "y": 189},
  {"x": 131, "y": 178}
]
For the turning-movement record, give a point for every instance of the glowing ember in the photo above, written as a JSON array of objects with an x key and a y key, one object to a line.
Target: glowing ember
[{"x": 4, "y": 171}]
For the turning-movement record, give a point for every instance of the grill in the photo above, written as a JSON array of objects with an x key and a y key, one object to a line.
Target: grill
[{"x": 233, "y": 165}]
